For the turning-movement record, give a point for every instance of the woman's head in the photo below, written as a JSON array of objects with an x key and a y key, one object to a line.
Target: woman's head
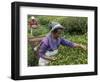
[
  {"x": 57, "y": 32},
  {"x": 56, "y": 29}
]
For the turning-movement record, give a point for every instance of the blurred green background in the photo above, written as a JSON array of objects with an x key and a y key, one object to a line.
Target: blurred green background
[{"x": 75, "y": 31}]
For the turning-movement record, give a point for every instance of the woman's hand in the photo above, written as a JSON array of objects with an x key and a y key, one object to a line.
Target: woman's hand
[
  {"x": 83, "y": 47},
  {"x": 80, "y": 46},
  {"x": 50, "y": 58},
  {"x": 53, "y": 58}
]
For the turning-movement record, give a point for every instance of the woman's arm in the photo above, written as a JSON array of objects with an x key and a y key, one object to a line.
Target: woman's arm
[
  {"x": 68, "y": 43},
  {"x": 49, "y": 58},
  {"x": 79, "y": 46},
  {"x": 71, "y": 44},
  {"x": 42, "y": 50}
]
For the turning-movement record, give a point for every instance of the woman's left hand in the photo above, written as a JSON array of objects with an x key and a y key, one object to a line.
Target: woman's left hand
[
  {"x": 83, "y": 47},
  {"x": 80, "y": 46}
]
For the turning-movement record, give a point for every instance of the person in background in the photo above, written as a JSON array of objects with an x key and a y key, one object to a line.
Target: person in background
[
  {"x": 50, "y": 44},
  {"x": 33, "y": 23}
]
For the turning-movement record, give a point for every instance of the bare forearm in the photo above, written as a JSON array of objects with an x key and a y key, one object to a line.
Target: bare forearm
[{"x": 77, "y": 45}]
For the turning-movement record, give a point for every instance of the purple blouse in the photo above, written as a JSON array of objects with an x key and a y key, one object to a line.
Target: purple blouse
[{"x": 50, "y": 44}]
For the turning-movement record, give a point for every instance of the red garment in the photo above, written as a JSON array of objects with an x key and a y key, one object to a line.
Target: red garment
[{"x": 33, "y": 23}]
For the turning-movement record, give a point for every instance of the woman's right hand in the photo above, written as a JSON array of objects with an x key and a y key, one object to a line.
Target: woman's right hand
[{"x": 53, "y": 58}]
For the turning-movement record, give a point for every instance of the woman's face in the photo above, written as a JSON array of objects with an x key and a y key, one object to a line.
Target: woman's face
[{"x": 58, "y": 33}]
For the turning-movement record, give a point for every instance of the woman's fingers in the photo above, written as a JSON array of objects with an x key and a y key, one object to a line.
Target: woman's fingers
[
  {"x": 54, "y": 58},
  {"x": 83, "y": 47}
]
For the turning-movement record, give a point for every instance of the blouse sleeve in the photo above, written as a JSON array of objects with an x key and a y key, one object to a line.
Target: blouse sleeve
[
  {"x": 67, "y": 43},
  {"x": 42, "y": 50}
]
